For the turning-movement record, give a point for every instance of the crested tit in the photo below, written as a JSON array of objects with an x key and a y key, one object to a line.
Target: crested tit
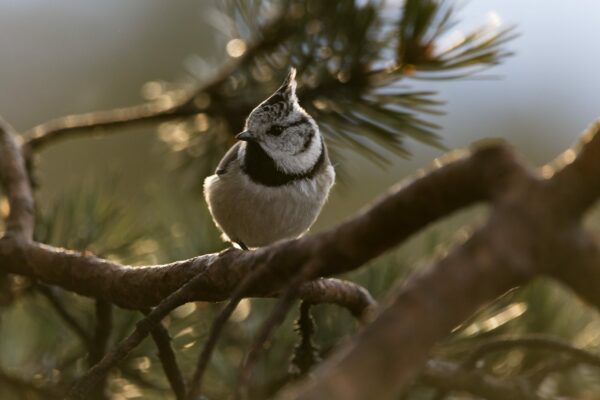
[{"x": 272, "y": 184}]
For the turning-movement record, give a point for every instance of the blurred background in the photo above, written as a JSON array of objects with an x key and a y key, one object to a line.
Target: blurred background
[{"x": 135, "y": 195}]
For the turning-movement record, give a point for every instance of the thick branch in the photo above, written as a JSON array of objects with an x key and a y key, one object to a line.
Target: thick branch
[
  {"x": 580, "y": 268},
  {"x": 142, "y": 287},
  {"x": 161, "y": 338},
  {"x": 389, "y": 353},
  {"x": 388, "y": 222},
  {"x": 578, "y": 182},
  {"x": 533, "y": 229},
  {"x": 14, "y": 180}
]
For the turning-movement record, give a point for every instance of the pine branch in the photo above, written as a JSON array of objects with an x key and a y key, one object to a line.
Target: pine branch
[
  {"x": 273, "y": 320},
  {"x": 216, "y": 328},
  {"x": 529, "y": 232},
  {"x": 350, "y": 44},
  {"x": 91, "y": 379},
  {"x": 533, "y": 229}
]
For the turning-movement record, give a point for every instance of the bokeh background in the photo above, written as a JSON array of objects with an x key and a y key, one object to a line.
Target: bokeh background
[{"x": 59, "y": 58}]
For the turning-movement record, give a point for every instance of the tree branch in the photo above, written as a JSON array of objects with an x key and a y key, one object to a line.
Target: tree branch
[
  {"x": 99, "y": 342},
  {"x": 427, "y": 304},
  {"x": 576, "y": 188},
  {"x": 142, "y": 287},
  {"x": 388, "y": 222},
  {"x": 383, "y": 225},
  {"x": 14, "y": 180},
  {"x": 529, "y": 216},
  {"x": 101, "y": 336},
  {"x": 91, "y": 379},
  {"x": 529, "y": 233},
  {"x": 268, "y": 326}
]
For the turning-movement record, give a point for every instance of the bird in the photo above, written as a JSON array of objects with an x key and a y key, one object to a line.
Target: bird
[{"x": 273, "y": 182}]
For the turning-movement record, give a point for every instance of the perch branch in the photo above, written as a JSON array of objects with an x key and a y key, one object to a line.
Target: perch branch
[
  {"x": 142, "y": 287},
  {"x": 483, "y": 176},
  {"x": 383, "y": 225},
  {"x": 389, "y": 221}
]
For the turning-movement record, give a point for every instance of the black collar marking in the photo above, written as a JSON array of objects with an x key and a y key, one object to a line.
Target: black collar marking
[{"x": 261, "y": 168}]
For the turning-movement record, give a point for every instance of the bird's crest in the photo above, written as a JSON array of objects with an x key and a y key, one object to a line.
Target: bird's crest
[{"x": 286, "y": 92}]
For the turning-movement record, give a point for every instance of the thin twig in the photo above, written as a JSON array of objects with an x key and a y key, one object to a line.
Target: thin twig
[
  {"x": 306, "y": 354},
  {"x": 275, "y": 318},
  {"x": 98, "y": 344},
  {"x": 102, "y": 331},
  {"x": 93, "y": 377},
  {"x": 167, "y": 358},
  {"x": 195, "y": 387}
]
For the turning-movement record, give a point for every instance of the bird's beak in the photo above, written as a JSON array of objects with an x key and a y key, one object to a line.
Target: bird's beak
[{"x": 245, "y": 136}]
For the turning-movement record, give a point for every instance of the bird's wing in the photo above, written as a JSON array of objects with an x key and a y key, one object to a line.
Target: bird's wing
[{"x": 230, "y": 156}]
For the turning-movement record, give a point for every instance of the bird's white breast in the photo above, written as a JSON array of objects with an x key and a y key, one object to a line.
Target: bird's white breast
[{"x": 259, "y": 215}]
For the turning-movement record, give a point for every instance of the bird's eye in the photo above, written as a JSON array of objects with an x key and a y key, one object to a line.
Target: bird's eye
[{"x": 275, "y": 130}]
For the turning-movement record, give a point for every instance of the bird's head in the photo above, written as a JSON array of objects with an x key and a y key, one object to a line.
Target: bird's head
[{"x": 280, "y": 126}]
